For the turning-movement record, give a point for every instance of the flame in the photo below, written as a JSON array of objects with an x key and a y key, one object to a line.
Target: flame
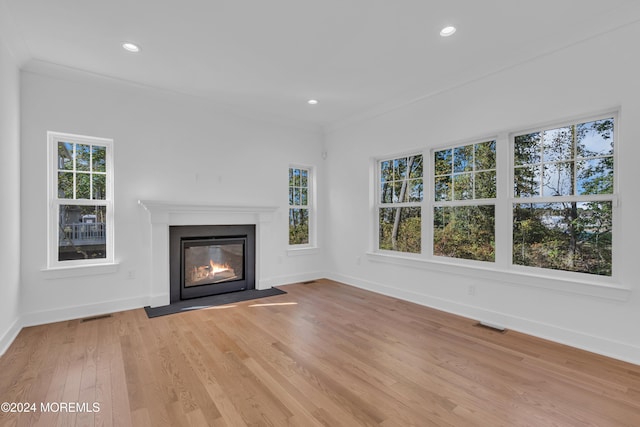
[{"x": 217, "y": 268}]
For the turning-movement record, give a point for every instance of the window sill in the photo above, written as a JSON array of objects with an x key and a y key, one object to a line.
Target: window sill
[
  {"x": 80, "y": 270},
  {"x": 611, "y": 291},
  {"x": 305, "y": 250}
]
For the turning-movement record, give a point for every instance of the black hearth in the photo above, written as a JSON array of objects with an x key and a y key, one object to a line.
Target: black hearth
[{"x": 210, "y": 260}]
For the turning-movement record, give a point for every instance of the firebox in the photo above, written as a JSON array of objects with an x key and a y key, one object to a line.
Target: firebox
[{"x": 209, "y": 260}]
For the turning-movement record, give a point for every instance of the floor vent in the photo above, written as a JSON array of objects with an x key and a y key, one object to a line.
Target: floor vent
[
  {"x": 308, "y": 282},
  {"x": 492, "y": 326},
  {"x": 89, "y": 319}
]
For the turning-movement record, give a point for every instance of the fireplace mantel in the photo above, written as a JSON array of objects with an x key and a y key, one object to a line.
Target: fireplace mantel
[{"x": 163, "y": 214}]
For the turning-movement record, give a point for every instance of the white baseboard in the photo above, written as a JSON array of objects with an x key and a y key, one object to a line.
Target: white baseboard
[
  {"x": 78, "y": 312},
  {"x": 600, "y": 345},
  {"x": 289, "y": 279},
  {"x": 8, "y": 337}
]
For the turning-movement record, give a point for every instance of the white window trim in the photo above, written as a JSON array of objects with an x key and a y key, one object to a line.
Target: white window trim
[
  {"x": 311, "y": 247},
  {"x": 377, "y": 205},
  {"x": 64, "y": 267},
  {"x": 431, "y": 204},
  {"x": 502, "y": 270},
  {"x": 613, "y": 198}
]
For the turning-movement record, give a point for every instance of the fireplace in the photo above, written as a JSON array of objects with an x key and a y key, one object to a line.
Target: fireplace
[{"x": 209, "y": 260}]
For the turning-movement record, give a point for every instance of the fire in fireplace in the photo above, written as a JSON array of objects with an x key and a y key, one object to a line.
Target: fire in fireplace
[
  {"x": 210, "y": 260},
  {"x": 207, "y": 262}
]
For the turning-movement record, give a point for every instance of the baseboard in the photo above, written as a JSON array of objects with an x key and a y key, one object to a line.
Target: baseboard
[
  {"x": 78, "y": 312},
  {"x": 10, "y": 336},
  {"x": 603, "y": 346},
  {"x": 292, "y": 278}
]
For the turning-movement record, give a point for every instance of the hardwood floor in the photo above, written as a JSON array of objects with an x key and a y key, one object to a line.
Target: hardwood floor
[{"x": 323, "y": 354}]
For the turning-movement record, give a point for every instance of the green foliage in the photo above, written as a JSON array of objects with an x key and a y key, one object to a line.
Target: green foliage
[
  {"x": 466, "y": 232},
  {"x": 408, "y": 238},
  {"x": 564, "y": 236},
  {"x": 298, "y": 226}
]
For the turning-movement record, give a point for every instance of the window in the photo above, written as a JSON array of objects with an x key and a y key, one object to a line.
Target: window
[
  {"x": 464, "y": 206},
  {"x": 400, "y": 196},
  {"x": 300, "y": 206},
  {"x": 564, "y": 197},
  {"x": 81, "y": 200}
]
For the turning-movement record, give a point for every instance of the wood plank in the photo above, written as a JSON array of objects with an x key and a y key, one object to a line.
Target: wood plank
[{"x": 323, "y": 354}]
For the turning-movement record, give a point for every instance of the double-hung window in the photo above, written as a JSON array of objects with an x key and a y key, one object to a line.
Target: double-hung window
[
  {"x": 399, "y": 203},
  {"x": 80, "y": 200},
  {"x": 301, "y": 209},
  {"x": 564, "y": 197},
  {"x": 464, "y": 192}
]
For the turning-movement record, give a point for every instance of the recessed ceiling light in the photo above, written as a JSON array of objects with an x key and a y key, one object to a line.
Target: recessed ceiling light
[
  {"x": 447, "y": 31},
  {"x": 131, "y": 47},
  {"x": 312, "y": 101}
]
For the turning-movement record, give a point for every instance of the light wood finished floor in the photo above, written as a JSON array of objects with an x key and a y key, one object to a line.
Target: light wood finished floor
[{"x": 323, "y": 354}]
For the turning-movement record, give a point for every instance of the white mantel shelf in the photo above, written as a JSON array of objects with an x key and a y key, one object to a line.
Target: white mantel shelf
[
  {"x": 163, "y": 214},
  {"x": 160, "y": 207}
]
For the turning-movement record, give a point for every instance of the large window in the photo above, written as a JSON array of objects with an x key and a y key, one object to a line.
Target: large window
[
  {"x": 564, "y": 196},
  {"x": 464, "y": 207},
  {"x": 300, "y": 206},
  {"x": 400, "y": 194},
  {"x": 81, "y": 200},
  {"x": 542, "y": 199}
]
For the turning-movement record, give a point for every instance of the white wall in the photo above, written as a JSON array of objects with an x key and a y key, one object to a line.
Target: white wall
[
  {"x": 587, "y": 78},
  {"x": 167, "y": 147},
  {"x": 9, "y": 196}
]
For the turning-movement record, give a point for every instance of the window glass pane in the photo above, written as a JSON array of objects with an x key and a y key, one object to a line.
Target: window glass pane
[
  {"x": 290, "y": 196},
  {"x": 595, "y": 176},
  {"x": 83, "y": 186},
  {"x": 296, "y": 177},
  {"x": 485, "y": 156},
  {"x": 443, "y": 187},
  {"x": 573, "y": 236},
  {"x": 83, "y": 157},
  {"x": 303, "y": 196},
  {"x": 463, "y": 158},
  {"x": 386, "y": 195},
  {"x": 465, "y": 232},
  {"x": 527, "y": 149},
  {"x": 415, "y": 190},
  {"x": 558, "y": 179},
  {"x": 386, "y": 171},
  {"x": 416, "y": 166},
  {"x": 595, "y": 138},
  {"x": 443, "y": 162},
  {"x": 82, "y": 232},
  {"x": 398, "y": 191},
  {"x": 99, "y": 156},
  {"x": 400, "y": 169},
  {"x": 65, "y": 156},
  {"x": 463, "y": 186},
  {"x": 65, "y": 185},
  {"x": 290, "y": 177},
  {"x": 99, "y": 186},
  {"x": 527, "y": 181},
  {"x": 485, "y": 185},
  {"x": 303, "y": 177},
  {"x": 298, "y": 226},
  {"x": 400, "y": 229},
  {"x": 296, "y": 196},
  {"x": 558, "y": 144}
]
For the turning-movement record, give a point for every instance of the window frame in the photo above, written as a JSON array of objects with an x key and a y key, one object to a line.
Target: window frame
[
  {"x": 604, "y": 197},
  {"x": 432, "y": 203},
  {"x": 378, "y": 204},
  {"x": 54, "y": 202},
  {"x": 310, "y": 207},
  {"x": 503, "y": 269}
]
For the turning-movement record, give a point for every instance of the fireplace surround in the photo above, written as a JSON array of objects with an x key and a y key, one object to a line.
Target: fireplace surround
[
  {"x": 209, "y": 260},
  {"x": 164, "y": 214}
]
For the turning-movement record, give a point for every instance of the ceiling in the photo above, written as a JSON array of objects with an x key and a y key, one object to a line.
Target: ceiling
[{"x": 357, "y": 57}]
